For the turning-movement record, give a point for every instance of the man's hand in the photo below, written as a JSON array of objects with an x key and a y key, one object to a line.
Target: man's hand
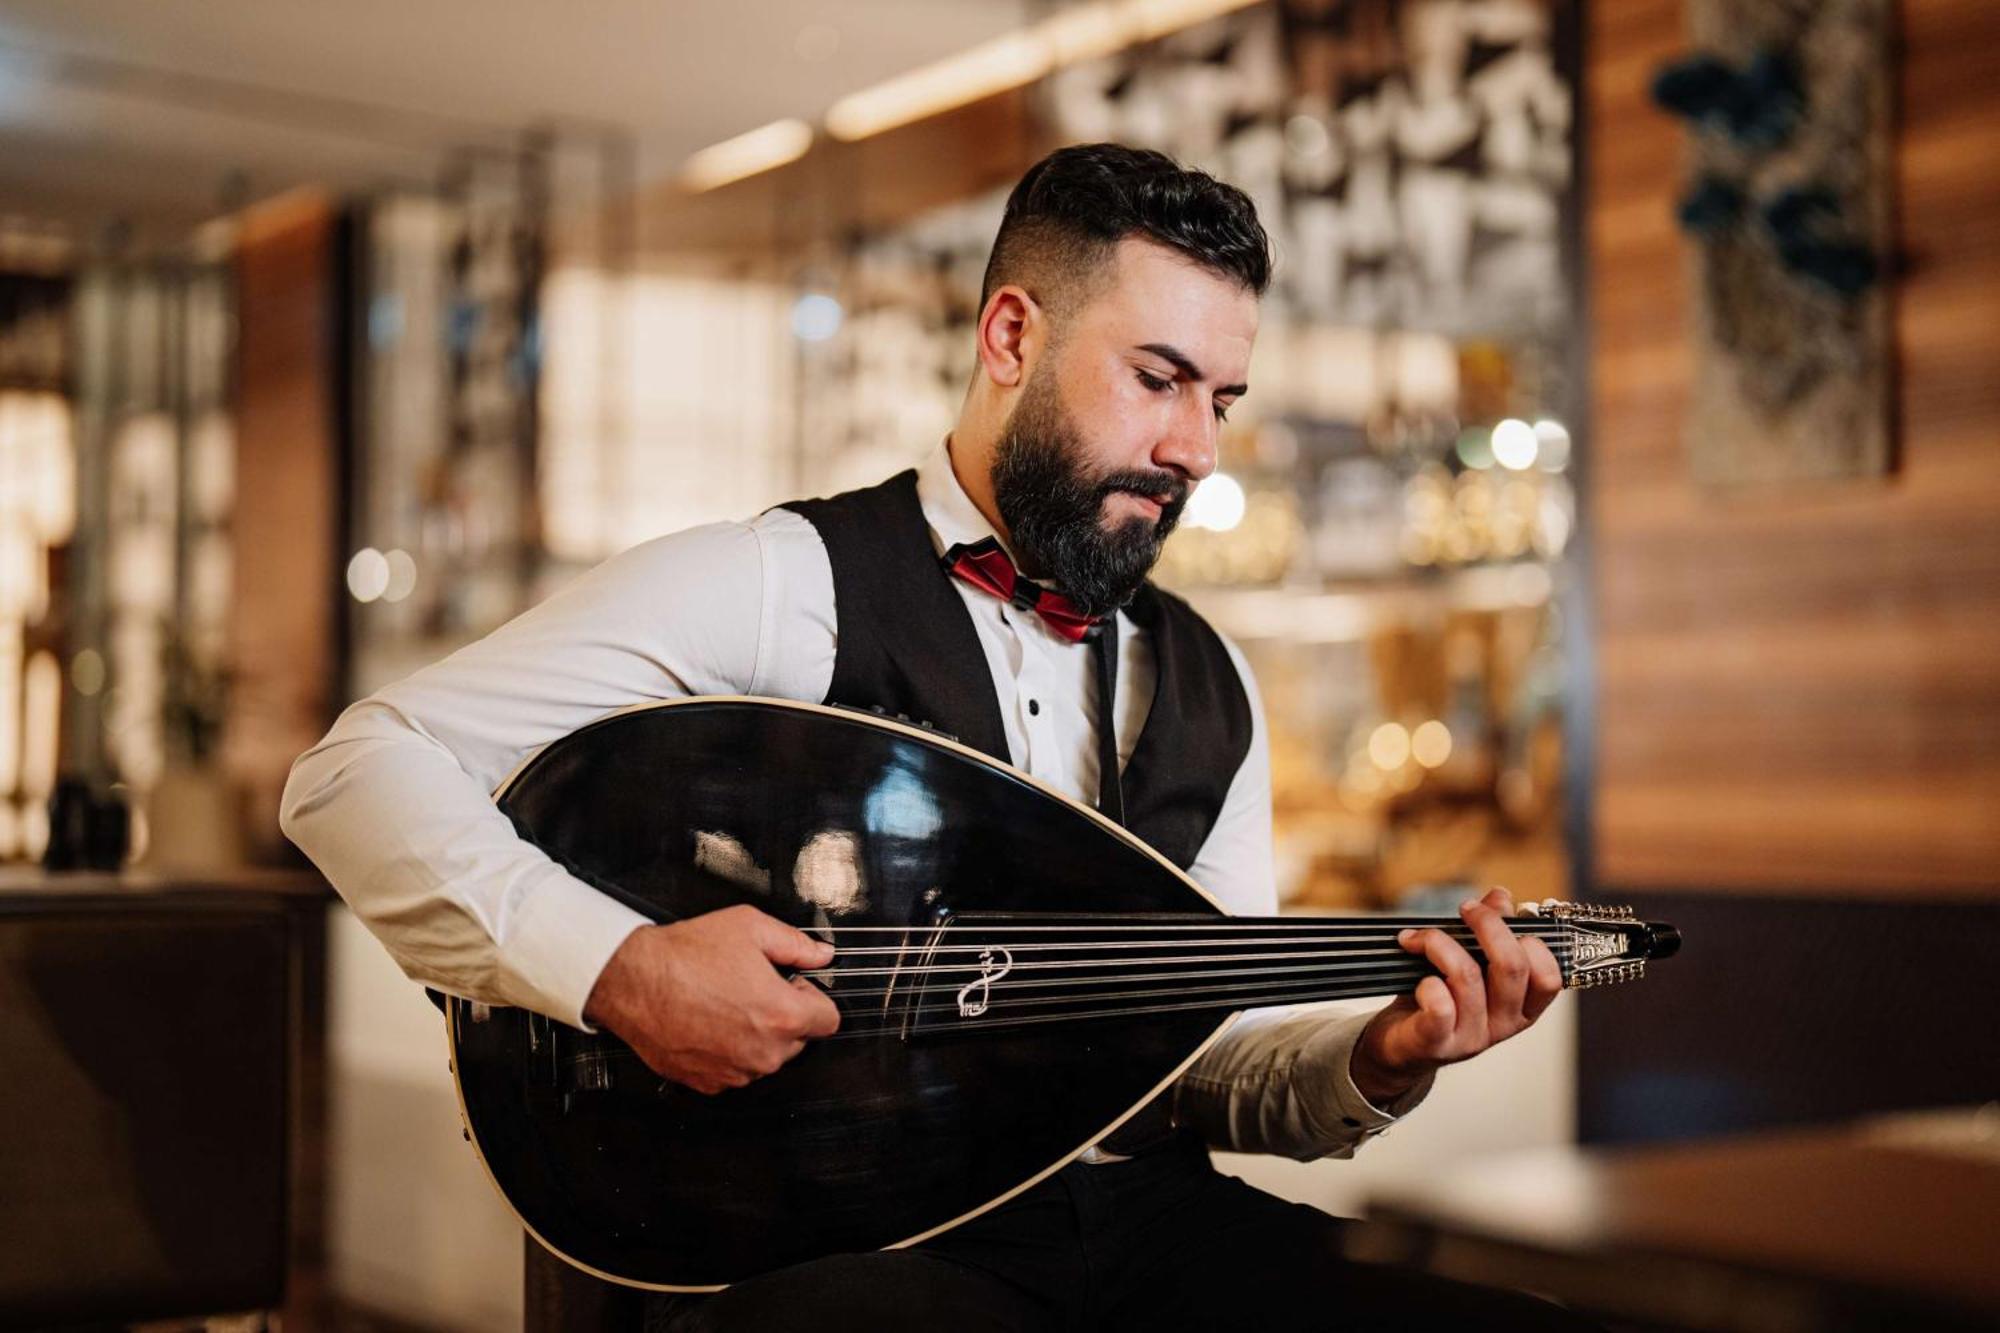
[
  {"x": 701, "y": 1000},
  {"x": 1462, "y": 1011}
]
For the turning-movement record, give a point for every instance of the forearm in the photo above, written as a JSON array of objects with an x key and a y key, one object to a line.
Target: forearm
[
  {"x": 1280, "y": 1082},
  {"x": 427, "y": 861},
  {"x": 394, "y": 805}
]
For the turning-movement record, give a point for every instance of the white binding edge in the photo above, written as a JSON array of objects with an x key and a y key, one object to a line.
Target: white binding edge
[{"x": 915, "y": 733}]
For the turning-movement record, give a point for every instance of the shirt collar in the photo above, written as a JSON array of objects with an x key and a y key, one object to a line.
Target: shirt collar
[{"x": 950, "y": 512}]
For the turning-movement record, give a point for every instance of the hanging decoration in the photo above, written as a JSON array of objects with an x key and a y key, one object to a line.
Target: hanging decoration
[{"x": 1788, "y": 203}]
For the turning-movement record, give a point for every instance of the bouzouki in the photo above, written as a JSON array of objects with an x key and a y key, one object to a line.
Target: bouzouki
[{"x": 1016, "y": 977}]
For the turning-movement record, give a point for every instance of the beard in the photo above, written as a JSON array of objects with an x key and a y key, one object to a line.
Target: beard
[{"x": 1053, "y": 505}]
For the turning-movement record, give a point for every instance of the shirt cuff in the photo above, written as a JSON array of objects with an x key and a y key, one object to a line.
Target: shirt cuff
[
  {"x": 564, "y": 934},
  {"x": 1328, "y": 1062}
]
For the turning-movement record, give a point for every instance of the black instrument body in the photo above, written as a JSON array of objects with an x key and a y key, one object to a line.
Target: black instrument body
[{"x": 940, "y": 1098}]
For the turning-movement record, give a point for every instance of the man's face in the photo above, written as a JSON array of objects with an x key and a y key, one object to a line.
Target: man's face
[{"x": 1119, "y": 421}]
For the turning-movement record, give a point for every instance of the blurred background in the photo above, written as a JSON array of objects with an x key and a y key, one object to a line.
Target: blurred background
[{"x": 1616, "y": 517}]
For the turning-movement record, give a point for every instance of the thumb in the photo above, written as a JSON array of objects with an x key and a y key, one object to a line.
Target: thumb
[
  {"x": 1436, "y": 1014},
  {"x": 787, "y": 947}
]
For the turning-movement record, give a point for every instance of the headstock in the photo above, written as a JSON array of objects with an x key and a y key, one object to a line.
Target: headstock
[{"x": 1601, "y": 944}]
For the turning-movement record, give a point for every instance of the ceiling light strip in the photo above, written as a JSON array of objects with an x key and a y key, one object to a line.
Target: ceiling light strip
[
  {"x": 760, "y": 150},
  {"x": 1082, "y": 32}
]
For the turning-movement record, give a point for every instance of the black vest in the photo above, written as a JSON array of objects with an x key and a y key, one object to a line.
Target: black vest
[{"x": 906, "y": 645}]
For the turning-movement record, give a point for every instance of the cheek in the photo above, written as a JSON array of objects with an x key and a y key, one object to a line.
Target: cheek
[
  {"x": 1125, "y": 438},
  {"x": 1137, "y": 415},
  {"x": 1117, "y": 418}
]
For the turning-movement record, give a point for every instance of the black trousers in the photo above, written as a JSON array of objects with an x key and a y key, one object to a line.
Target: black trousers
[{"x": 1163, "y": 1241}]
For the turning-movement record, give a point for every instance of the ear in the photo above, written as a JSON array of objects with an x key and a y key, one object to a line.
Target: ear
[{"x": 1011, "y": 332}]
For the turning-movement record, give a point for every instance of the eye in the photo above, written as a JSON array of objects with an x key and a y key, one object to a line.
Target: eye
[
  {"x": 1153, "y": 383},
  {"x": 1222, "y": 411}
]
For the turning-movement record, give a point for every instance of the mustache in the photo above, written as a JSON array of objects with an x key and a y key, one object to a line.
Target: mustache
[{"x": 1169, "y": 490}]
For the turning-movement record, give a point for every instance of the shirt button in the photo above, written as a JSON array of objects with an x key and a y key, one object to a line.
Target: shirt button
[{"x": 1034, "y": 708}]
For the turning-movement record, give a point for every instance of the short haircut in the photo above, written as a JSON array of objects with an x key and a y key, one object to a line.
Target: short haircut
[{"x": 1072, "y": 208}]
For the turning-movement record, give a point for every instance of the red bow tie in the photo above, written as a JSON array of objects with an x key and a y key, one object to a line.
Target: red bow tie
[{"x": 986, "y": 567}]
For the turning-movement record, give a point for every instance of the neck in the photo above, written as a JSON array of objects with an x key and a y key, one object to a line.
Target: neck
[{"x": 971, "y": 458}]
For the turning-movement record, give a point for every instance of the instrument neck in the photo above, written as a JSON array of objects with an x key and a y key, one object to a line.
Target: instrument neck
[{"x": 992, "y": 970}]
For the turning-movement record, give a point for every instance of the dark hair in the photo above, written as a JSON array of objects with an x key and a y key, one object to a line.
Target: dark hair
[{"x": 1076, "y": 204}]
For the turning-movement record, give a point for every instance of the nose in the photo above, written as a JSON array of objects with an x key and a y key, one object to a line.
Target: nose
[{"x": 1188, "y": 445}]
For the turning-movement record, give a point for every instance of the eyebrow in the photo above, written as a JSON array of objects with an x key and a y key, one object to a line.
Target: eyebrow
[{"x": 1179, "y": 360}]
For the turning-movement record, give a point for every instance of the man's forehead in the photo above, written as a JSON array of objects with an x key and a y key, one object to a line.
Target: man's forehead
[{"x": 1156, "y": 295}]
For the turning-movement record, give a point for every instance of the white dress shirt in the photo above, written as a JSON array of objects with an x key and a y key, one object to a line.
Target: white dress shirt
[{"x": 394, "y": 803}]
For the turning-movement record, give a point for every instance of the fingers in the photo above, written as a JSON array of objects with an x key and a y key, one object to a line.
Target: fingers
[
  {"x": 786, "y": 947},
  {"x": 1545, "y": 979},
  {"x": 1466, "y": 1007},
  {"x": 722, "y": 1011},
  {"x": 1506, "y": 964},
  {"x": 1462, "y": 978},
  {"x": 1437, "y": 1014},
  {"x": 819, "y": 1015}
]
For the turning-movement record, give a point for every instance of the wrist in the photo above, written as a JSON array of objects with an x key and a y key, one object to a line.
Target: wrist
[
  {"x": 610, "y": 993},
  {"x": 1375, "y": 1074}
]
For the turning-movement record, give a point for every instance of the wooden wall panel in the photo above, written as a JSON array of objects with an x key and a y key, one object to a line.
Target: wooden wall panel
[
  {"x": 1799, "y": 691},
  {"x": 286, "y": 517}
]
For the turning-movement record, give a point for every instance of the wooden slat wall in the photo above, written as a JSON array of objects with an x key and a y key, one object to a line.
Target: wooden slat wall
[
  {"x": 287, "y": 505},
  {"x": 1799, "y": 692}
]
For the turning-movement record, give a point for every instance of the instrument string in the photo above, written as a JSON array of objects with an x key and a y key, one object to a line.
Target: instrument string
[
  {"x": 1084, "y": 920},
  {"x": 842, "y": 993},
  {"x": 1304, "y": 995},
  {"x": 959, "y": 973},
  {"x": 1387, "y": 984},
  {"x": 837, "y": 973},
  {"x": 1120, "y": 977},
  {"x": 1251, "y": 984},
  {"x": 981, "y": 937}
]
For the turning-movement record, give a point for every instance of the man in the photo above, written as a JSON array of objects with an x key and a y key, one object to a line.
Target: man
[{"x": 1120, "y": 306}]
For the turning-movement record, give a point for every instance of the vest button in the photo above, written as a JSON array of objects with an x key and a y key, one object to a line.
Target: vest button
[{"x": 1034, "y": 708}]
